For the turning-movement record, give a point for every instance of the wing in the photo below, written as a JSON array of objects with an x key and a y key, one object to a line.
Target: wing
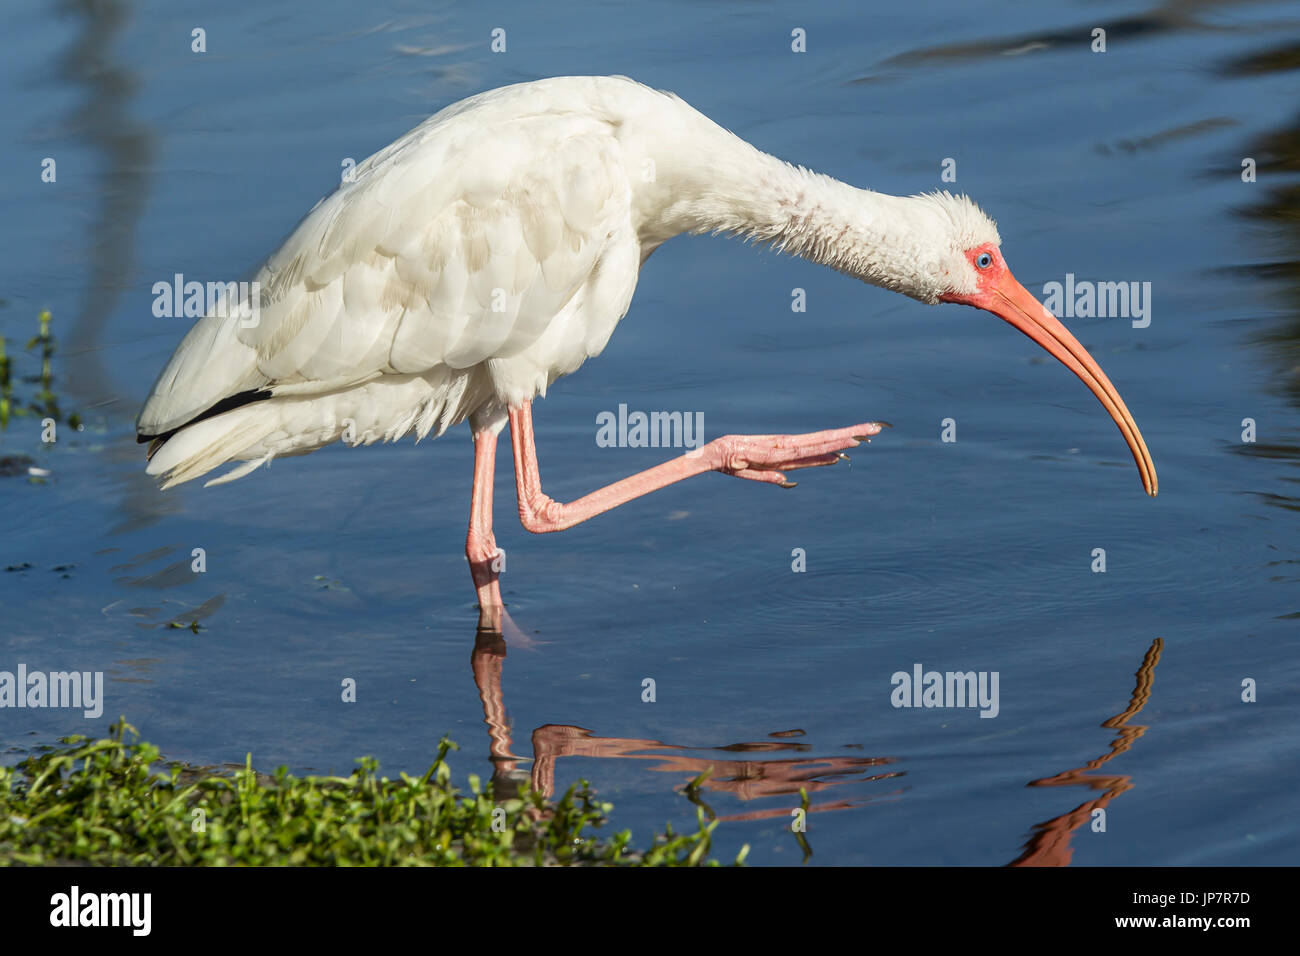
[{"x": 458, "y": 243}]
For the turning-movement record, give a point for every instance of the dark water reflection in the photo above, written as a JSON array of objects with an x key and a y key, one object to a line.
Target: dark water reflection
[
  {"x": 1277, "y": 154},
  {"x": 967, "y": 556},
  {"x": 105, "y": 123}
]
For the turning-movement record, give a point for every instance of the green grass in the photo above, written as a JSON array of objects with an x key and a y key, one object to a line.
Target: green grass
[{"x": 113, "y": 801}]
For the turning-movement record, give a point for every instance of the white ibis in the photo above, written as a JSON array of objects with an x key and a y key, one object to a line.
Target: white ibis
[{"x": 493, "y": 249}]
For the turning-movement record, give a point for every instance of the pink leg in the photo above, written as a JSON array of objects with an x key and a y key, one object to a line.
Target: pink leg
[
  {"x": 480, "y": 545},
  {"x": 755, "y": 457},
  {"x": 482, "y": 552}
]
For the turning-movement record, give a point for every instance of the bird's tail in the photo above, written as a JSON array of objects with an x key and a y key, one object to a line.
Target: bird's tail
[
  {"x": 245, "y": 434},
  {"x": 381, "y": 410}
]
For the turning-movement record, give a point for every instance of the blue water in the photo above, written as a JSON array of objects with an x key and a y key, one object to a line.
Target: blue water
[{"x": 969, "y": 555}]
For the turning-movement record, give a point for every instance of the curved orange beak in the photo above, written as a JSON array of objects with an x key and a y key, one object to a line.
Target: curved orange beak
[{"x": 1010, "y": 301}]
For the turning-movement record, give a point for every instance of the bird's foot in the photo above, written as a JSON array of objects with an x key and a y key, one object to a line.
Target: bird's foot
[{"x": 767, "y": 457}]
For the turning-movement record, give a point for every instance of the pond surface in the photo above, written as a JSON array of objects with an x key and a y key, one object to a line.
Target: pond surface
[{"x": 1119, "y": 691}]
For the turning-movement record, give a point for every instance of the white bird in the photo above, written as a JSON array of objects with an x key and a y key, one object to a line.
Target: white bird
[{"x": 494, "y": 248}]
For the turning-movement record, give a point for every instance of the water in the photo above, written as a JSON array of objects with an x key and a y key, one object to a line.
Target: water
[{"x": 973, "y": 555}]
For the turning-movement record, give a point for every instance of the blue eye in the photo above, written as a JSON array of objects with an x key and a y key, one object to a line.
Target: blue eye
[{"x": 983, "y": 260}]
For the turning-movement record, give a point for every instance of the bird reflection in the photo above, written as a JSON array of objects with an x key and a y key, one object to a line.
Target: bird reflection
[
  {"x": 1050, "y": 844},
  {"x": 785, "y": 778},
  {"x": 751, "y": 778}
]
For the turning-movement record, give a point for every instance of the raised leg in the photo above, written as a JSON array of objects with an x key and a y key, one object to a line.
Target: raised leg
[{"x": 755, "y": 457}]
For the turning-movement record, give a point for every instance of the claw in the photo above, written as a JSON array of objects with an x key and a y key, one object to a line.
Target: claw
[
  {"x": 862, "y": 438},
  {"x": 884, "y": 424},
  {"x": 843, "y": 457},
  {"x": 788, "y": 484}
]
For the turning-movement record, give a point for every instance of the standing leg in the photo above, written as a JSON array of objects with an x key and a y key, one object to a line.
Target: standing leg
[
  {"x": 754, "y": 457},
  {"x": 480, "y": 545}
]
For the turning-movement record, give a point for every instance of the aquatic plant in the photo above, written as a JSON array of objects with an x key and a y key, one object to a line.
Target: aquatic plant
[
  {"x": 114, "y": 801},
  {"x": 45, "y": 402}
]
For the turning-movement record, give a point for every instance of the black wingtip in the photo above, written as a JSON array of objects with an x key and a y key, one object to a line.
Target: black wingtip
[{"x": 225, "y": 405}]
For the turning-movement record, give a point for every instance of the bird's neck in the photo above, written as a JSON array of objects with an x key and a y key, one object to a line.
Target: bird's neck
[{"x": 725, "y": 185}]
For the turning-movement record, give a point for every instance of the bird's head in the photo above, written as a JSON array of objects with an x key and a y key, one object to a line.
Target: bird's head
[{"x": 962, "y": 263}]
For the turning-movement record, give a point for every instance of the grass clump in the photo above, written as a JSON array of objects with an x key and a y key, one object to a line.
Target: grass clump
[{"x": 112, "y": 801}]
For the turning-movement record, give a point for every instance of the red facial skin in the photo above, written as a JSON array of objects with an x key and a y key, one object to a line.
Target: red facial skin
[{"x": 1000, "y": 294}]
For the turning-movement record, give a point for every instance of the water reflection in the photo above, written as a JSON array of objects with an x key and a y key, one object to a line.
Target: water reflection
[
  {"x": 162, "y": 611},
  {"x": 1277, "y": 154},
  {"x": 754, "y": 778},
  {"x": 1277, "y": 157},
  {"x": 1050, "y": 844},
  {"x": 1176, "y": 16},
  {"x": 127, "y": 147},
  {"x": 778, "y": 777}
]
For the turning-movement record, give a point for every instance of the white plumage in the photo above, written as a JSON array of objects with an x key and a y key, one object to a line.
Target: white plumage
[{"x": 492, "y": 250}]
